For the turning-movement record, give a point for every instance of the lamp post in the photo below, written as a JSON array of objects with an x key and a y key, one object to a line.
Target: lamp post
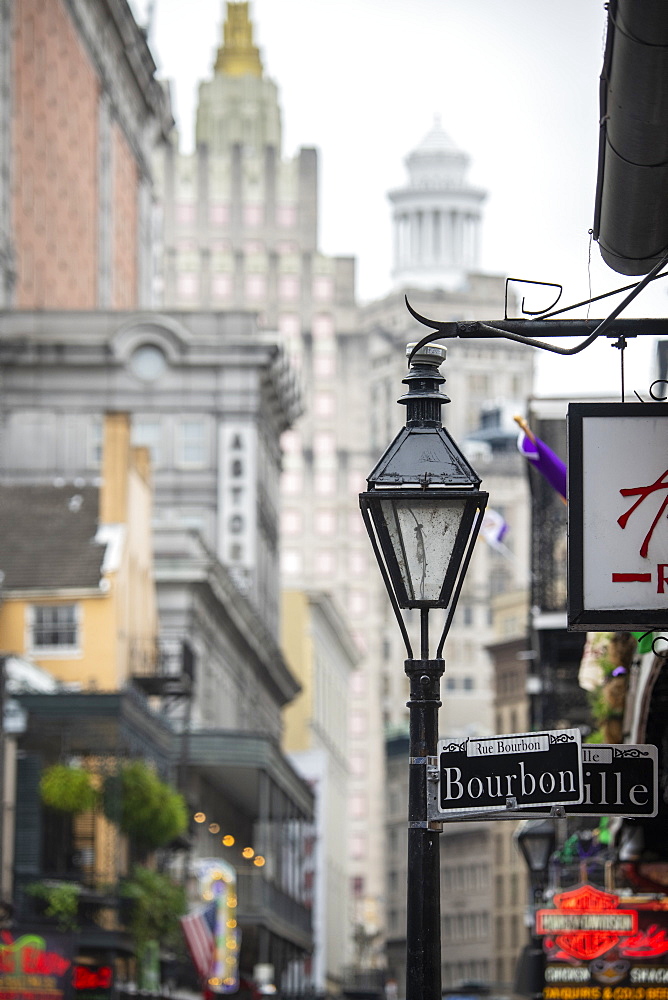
[
  {"x": 536, "y": 840},
  {"x": 423, "y": 509}
]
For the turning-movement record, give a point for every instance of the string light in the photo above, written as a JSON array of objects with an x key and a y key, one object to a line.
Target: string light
[
  {"x": 228, "y": 840},
  {"x": 259, "y": 861},
  {"x": 199, "y": 817},
  {"x": 248, "y": 852},
  {"x": 214, "y": 828}
]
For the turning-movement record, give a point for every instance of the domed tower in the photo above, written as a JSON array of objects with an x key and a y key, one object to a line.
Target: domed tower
[{"x": 436, "y": 217}]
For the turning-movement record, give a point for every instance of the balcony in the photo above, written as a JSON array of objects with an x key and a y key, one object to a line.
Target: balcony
[
  {"x": 261, "y": 902},
  {"x": 162, "y": 670}
]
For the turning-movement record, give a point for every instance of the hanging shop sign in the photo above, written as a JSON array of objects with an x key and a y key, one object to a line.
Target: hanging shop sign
[
  {"x": 597, "y": 949},
  {"x": 617, "y": 516},
  {"x": 492, "y": 774},
  {"x": 35, "y": 966}
]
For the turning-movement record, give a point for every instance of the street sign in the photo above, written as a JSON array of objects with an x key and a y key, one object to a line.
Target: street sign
[
  {"x": 618, "y": 780},
  {"x": 499, "y": 773}
]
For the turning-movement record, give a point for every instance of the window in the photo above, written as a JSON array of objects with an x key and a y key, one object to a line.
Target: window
[
  {"x": 191, "y": 447},
  {"x": 187, "y": 285},
  {"x": 256, "y": 286},
  {"x": 291, "y": 522},
  {"x": 148, "y": 434},
  {"x": 291, "y": 562},
  {"x": 55, "y": 626},
  {"x": 288, "y": 288},
  {"x": 323, "y": 288},
  {"x": 221, "y": 286},
  {"x": 325, "y": 522}
]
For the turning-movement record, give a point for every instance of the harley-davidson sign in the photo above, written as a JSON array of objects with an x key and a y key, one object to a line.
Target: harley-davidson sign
[
  {"x": 586, "y": 921},
  {"x": 597, "y": 949},
  {"x": 617, "y": 523}
]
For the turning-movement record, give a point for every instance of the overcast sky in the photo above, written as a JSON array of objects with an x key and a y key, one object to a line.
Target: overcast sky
[{"x": 515, "y": 83}]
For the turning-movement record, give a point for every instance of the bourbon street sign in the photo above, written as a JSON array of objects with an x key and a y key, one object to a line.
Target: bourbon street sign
[
  {"x": 520, "y": 770},
  {"x": 617, "y": 516}
]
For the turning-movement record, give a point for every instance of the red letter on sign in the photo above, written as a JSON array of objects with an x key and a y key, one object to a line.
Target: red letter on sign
[{"x": 661, "y": 577}]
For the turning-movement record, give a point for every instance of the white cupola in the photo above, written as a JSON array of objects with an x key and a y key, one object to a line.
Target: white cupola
[{"x": 436, "y": 217}]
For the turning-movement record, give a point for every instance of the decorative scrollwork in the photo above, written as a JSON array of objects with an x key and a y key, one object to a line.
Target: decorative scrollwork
[
  {"x": 562, "y": 738},
  {"x": 454, "y": 746},
  {"x": 630, "y": 752}
]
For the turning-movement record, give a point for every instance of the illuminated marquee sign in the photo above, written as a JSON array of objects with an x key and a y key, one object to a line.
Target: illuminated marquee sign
[
  {"x": 35, "y": 966},
  {"x": 218, "y": 884},
  {"x": 617, "y": 515}
]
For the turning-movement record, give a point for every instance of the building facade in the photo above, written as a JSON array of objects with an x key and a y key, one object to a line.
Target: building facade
[{"x": 81, "y": 114}]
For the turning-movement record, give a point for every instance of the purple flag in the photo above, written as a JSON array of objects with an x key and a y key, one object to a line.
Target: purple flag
[{"x": 542, "y": 458}]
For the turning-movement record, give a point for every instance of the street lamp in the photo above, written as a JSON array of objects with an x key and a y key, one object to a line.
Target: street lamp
[
  {"x": 423, "y": 509},
  {"x": 536, "y": 840}
]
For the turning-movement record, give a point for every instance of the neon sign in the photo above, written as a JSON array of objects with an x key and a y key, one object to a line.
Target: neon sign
[
  {"x": 586, "y": 922},
  {"x": 85, "y": 977},
  {"x": 27, "y": 955}
]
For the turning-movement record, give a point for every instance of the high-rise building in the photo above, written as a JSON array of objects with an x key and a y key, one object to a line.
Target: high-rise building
[{"x": 241, "y": 232}]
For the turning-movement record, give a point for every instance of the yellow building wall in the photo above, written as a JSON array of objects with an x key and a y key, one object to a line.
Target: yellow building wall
[
  {"x": 94, "y": 665},
  {"x": 297, "y": 646},
  {"x": 118, "y": 625}
]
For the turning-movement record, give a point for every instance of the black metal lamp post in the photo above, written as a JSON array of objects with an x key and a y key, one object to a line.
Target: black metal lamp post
[
  {"x": 423, "y": 509},
  {"x": 536, "y": 840}
]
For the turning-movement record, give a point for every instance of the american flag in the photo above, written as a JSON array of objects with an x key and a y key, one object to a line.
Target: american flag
[{"x": 199, "y": 928}]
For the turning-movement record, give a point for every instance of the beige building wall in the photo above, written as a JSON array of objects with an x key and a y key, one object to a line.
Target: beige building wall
[{"x": 322, "y": 655}]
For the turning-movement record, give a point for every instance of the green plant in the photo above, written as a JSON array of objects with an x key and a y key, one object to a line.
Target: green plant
[
  {"x": 146, "y": 808},
  {"x": 62, "y": 902},
  {"x": 157, "y": 904},
  {"x": 69, "y": 789}
]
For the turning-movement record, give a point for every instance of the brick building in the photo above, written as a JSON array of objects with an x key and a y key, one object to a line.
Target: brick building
[{"x": 80, "y": 115}]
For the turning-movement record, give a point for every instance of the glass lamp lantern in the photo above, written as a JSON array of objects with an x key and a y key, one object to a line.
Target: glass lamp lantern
[
  {"x": 536, "y": 840},
  {"x": 423, "y": 506}
]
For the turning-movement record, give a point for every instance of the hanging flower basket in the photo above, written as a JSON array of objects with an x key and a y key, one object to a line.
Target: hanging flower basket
[
  {"x": 68, "y": 789},
  {"x": 145, "y": 808}
]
